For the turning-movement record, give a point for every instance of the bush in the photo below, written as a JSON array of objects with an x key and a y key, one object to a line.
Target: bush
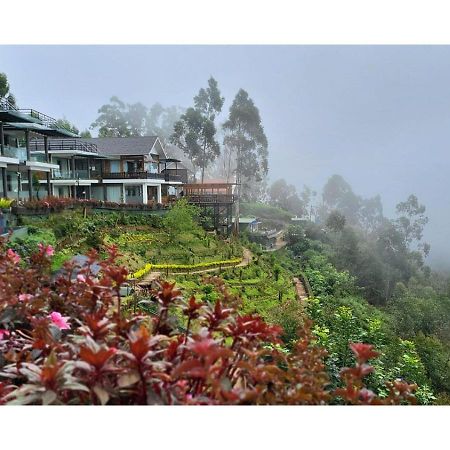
[{"x": 69, "y": 342}]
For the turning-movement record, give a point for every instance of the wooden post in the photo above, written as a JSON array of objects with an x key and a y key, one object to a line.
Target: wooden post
[{"x": 2, "y": 140}]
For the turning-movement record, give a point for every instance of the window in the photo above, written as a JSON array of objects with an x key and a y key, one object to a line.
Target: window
[{"x": 133, "y": 191}]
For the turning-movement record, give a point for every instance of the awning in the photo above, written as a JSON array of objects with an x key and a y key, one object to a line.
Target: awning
[{"x": 38, "y": 128}]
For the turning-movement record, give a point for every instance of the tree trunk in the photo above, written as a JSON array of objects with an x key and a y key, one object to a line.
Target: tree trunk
[
  {"x": 238, "y": 194},
  {"x": 204, "y": 159}
]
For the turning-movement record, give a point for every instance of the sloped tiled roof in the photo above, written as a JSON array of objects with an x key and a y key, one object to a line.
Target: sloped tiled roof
[
  {"x": 174, "y": 152},
  {"x": 124, "y": 145}
]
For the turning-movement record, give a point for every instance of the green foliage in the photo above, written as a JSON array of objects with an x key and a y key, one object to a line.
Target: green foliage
[
  {"x": 181, "y": 219},
  {"x": 290, "y": 316},
  {"x": 436, "y": 358},
  {"x": 118, "y": 119},
  {"x": 5, "y": 90},
  {"x": 5, "y": 203},
  {"x": 285, "y": 197},
  {"x": 195, "y": 132},
  {"x": 325, "y": 279},
  {"x": 267, "y": 212},
  {"x": 28, "y": 245},
  {"x": 244, "y": 134},
  {"x": 336, "y": 221},
  {"x": 64, "y": 123}
]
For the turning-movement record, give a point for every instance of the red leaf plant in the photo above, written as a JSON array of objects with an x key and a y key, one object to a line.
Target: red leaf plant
[{"x": 65, "y": 341}]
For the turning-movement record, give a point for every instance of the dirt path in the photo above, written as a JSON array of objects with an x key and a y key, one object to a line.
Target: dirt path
[
  {"x": 279, "y": 243},
  {"x": 300, "y": 290},
  {"x": 247, "y": 258}
]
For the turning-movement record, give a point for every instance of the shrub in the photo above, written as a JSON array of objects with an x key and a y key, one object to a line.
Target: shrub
[
  {"x": 68, "y": 342},
  {"x": 5, "y": 203}
]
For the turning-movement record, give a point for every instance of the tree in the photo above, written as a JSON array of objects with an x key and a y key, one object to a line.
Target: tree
[
  {"x": 64, "y": 123},
  {"x": 182, "y": 218},
  {"x": 4, "y": 90},
  {"x": 36, "y": 184},
  {"x": 285, "y": 196},
  {"x": 136, "y": 119},
  {"x": 195, "y": 132},
  {"x": 245, "y": 136},
  {"x": 371, "y": 214},
  {"x": 160, "y": 121},
  {"x": 412, "y": 219},
  {"x": 85, "y": 134},
  {"x": 112, "y": 120},
  {"x": 338, "y": 195},
  {"x": 120, "y": 119},
  {"x": 336, "y": 221}
]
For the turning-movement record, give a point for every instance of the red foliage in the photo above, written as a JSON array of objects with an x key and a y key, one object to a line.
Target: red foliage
[{"x": 220, "y": 357}]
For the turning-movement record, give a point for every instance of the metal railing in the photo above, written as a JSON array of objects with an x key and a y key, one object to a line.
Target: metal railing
[
  {"x": 45, "y": 120},
  {"x": 141, "y": 175},
  {"x": 56, "y": 145},
  {"x": 212, "y": 199},
  {"x": 5, "y": 105},
  {"x": 82, "y": 174}
]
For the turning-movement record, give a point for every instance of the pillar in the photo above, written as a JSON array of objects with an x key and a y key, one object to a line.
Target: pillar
[
  {"x": 144, "y": 194},
  {"x": 30, "y": 183},
  {"x": 2, "y": 140},
  {"x": 27, "y": 145},
  {"x": 49, "y": 185},
  {"x": 158, "y": 194},
  {"x": 123, "y": 194},
  {"x": 47, "y": 156},
  {"x": 105, "y": 193},
  {"x": 4, "y": 184}
]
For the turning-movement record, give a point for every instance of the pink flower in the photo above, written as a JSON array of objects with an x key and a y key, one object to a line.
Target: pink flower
[
  {"x": 3, "y": 333},
  {"x": 60, "y": 321},
  {"x": 25, "y": 297},
  {"x": 48, "y": 250},
  {"x": 13, "y": 256},
  {"x": 81, "y": 278}
]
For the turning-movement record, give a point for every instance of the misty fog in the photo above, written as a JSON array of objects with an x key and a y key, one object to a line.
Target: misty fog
[{"x": 379, "y": 116}]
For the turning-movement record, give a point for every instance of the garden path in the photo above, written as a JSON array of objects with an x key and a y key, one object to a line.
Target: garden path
[
  {"x": 300, "y": 290},
  {"x": 247, "y": 257}
]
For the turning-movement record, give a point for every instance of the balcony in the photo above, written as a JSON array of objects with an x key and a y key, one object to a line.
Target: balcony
[
  {"x": 64, "y": 145},
  {"x": 19, "y": 153},
  {"x": 43, "y": 119},
  {"x": 71, "y": 175},
  {"x": 141, "y": 175},
  {"x": 38, "y": 157},
  {"x": 211, "y": 199},
  {"x": 5, "y": 105}
]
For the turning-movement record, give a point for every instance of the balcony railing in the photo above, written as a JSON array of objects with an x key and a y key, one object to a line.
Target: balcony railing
[
  {"x": 15, "y": 152},
  {"x": 81, "y": 174},
  {"x": 211, "y": 199},
  {"x": 58, "y": 145},
  {"x": 5, "y": 105},
  {"x": 38, "y": 157},
  {"x": 141, "y": 175},
  {"x": 45, "y": 120}
]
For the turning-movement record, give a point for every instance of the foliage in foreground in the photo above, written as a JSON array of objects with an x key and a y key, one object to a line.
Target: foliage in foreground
[{"x": 66, "y": 342}]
